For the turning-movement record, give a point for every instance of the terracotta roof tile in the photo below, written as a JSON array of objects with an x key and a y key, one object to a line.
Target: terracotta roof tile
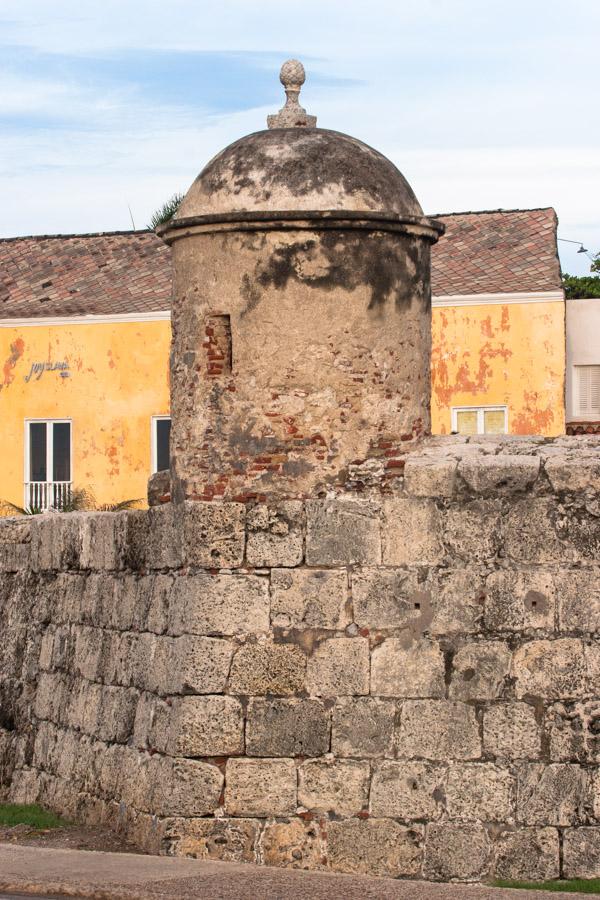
[{"x": 124, "y": 272}]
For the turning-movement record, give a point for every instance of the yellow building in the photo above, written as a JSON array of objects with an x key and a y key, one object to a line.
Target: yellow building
[{"x": 85, "y": 333}]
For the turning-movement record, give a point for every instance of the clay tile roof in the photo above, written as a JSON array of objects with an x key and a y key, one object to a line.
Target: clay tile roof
[
  {"x": 496, "y": 252},
  {"x": 130, "y": 271},
  {"x": 87, "y": 274}
]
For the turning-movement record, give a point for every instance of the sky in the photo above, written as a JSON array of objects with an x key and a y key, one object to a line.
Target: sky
[{"x": 108, "y": 107}]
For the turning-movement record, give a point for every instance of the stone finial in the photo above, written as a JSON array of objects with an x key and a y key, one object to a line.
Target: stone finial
[{"x": 292, "y": 77}]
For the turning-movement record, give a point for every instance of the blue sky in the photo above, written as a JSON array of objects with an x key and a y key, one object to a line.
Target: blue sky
[{"x": 119, "y": 103}]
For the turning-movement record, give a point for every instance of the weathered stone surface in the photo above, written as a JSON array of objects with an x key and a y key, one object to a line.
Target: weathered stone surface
[
  {"x": 557, "y": 794},
  {"x": 404, "y": 668},
  {"x": 214, "y": 534},
  {"x": 309, "y": 598},
  {"x": 275, "y": 534},
  {"x": 500, "y": 473},
  {"x": 581, "y": 853},
  {"x": 207, "y": 726},
  {"x": 579, "y": 601},
  {"x": 527, "y": 854},
  {"x": 267, "y": 668},
  {"x": 386, "y": 598},
  {"x": 411, "y": 533},
  {"x": 529, "y": 530},
  {"x": 181, "y": 787},
  {"x": 228, "y": 840},
  {"x": 472, "y": 530},
  {"x": 456, "y": 597},
  {"x": 510, "y": 730},
  {"x": 408, "y": 789},
  {"x": 287, "y": 728},
  {"x": 219, "y": 604},
  {"x": 196, "y": 665},
  {"x": 294, "y": 844},
  {"x": 573, "y": 475},
  {"x": 574, "y": 731},
  {"x": 342, "y": 532},
  {"x": 374, "y": 847},
  {"x": 438, "y": 730},
  {"x": 339, "y": 667},
  {"x": 260, "y": 787},
  {"x": 481, "y": 792},
  {"x": 520, "y": 600},
  {"x": 550, "y": 669},
  {"x": 480, "y": 670},
  {"x": 430, "y": 476},
  {"x": 161, "y": 541},
  {"x": 363, "y": 727},
  {"x": 456, "y": 852},
  {"x": 335, "y": 786}
]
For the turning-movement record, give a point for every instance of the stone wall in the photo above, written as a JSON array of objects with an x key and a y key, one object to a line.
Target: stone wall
[{"x": 406, "y": 684}]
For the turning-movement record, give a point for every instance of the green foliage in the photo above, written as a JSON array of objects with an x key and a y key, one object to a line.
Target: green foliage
[
  {"x": 581, "y": 886},
  {"x": 577, "y": 286},
  {"x": 166, "y": 212},
  {"x": 595, "y": 266},
  {"x": 118, "y": 507},
  {"x": 81, "y": 499},
  {"x": 11, "y": 509},
  {"x": 18, "y": 814}
]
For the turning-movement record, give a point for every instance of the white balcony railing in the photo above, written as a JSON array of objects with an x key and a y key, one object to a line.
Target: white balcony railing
[{"x": 44, "y": 495}]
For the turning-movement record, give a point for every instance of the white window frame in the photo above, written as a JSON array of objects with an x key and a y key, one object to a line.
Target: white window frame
[
  {"x": 154, "y": 441},
  {"x": 578, "y": 415},
  {"x": 49, "y": 455},
  {"x": 480, "y": 410}
]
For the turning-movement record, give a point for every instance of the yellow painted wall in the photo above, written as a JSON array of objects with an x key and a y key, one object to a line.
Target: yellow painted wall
[
  {"x": 507, "y": 355},
  {"x": 118, "y": 379}
]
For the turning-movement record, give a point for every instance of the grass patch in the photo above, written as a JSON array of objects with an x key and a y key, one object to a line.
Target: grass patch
[
  {"x": 18, "y": 814},
  {"x": 570, "y": 887}
]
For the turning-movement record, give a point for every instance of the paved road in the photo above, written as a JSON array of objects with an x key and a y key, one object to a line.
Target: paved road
[{"x": 126, "y": 876}]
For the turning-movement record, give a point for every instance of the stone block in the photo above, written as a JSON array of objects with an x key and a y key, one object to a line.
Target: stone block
[
  {"x": 387, "y": 598},
  {"x": 411, "y": 533},
  {"x": 374, "y": 847},
  {"x": 116, "y": 716},
  {"x": 275, "y": 534},
  {"x": 511, "y": 731},
  {"x": 481, "y": 792},
  {"x": 56, "y": 541},
  {"x": 557, "y": 794},
  {"x": 278, "y": 727},
  {"x": 342, "y": 532},
  {"x": 527, "y": 854},
  {"x": 573, "y": 729},
  {"x": 550, "y": 669},
  {"x": 219, "y": 605},
  {"x": 438, "y": 730},
  {"x": 501, "y": 472},
  {"x": 480, "y": 671},
  {"x": 260, "y": 787},
  {"x": 206, "y": 726},
  {"x": 579, "y": 601},
  {"x": 153, "y": 604},
  {"x": 340, "y": 787},
  {"x": 516, "y": 601},
  {"x": 456, "y": 598},
  {"x": 529, "y": 531},
  {"x": 472, "y": 530},
  {"x": 164, "y": 538},
  {"x": 214, "y": 534},
  {"x": 404, "y": 668},
  {"x": 294, "y": 844},
  {"x": 227, "y": 840},
  {"x": 183, "y": 787},
  {"x": 262, "y": 667},
  {"x": 430, "y": 476},
  {"x": 456, "y": 852},
  {"x": 102, "y": 540},
  {"x": 574, "y": 475},
  {"x": 581, "y": 853},
  {"x": 309, "y": 598},
  {"x": 408, "y": 789},
  {"x": 339, "y": 667},
  {"x": 196, "y": 665},
  {"x": 363, "y": 727}
]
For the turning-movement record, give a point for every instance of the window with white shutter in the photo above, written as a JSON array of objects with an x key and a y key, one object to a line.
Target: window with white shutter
[{"x": 587, "y": 390}]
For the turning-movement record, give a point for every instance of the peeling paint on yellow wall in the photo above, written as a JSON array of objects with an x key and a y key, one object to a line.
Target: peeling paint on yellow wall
[
  {"x": 118, "y": 380},
  {"x": 500, "y": 355}
]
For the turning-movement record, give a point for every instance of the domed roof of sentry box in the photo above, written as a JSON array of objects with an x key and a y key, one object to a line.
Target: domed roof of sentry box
[{"x": 295, "y": 166}]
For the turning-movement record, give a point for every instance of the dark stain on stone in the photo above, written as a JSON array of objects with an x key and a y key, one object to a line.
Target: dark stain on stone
[{"x": 537, "y": 601}]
